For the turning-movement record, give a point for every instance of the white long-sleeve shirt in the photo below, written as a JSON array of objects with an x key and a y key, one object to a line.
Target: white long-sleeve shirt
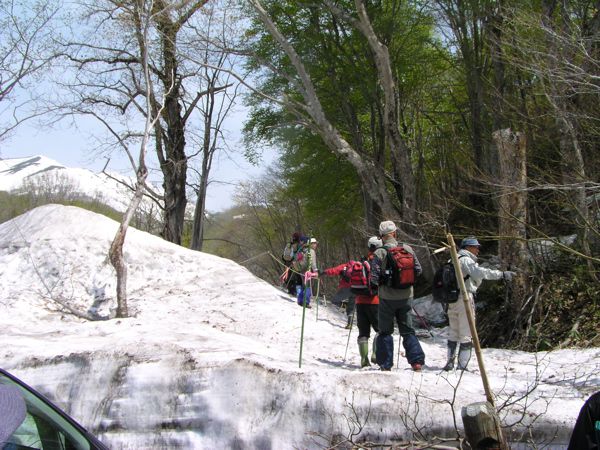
[{"x": 469, "y": 266}]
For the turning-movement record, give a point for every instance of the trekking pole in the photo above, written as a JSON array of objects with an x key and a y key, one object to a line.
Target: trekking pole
[
  {"x": 306, "y": 281},
  {"x": 302, "y": 331},
  {"x": 316, "y": 299},
  {"x": 423, "y": 321},
  {"x": 399, "y": 342},
  {"x": 349, "y": 332},
  {"x": 304, "y": 295}
]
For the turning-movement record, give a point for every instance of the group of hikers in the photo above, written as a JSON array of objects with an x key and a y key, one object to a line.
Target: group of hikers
[{"x": 379, "y": 291}]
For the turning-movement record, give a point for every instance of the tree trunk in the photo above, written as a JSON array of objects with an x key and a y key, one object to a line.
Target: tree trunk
[
  {"x": 198, "y": 226},
  {"x": 399, "y": 151},
  {"x": 560, "y": 95},
  {"x": 512, "y": 206},
  {"x": 115, "y": 253},
  {"x": 171, "y": 135},
  {"x": 372, "y": 177}
]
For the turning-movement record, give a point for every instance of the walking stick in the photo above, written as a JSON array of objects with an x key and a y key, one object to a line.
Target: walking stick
[
  {"x": 349, "y": 331},
  {"x": 307, "y": 286},
  {"x": 423, "y": 322},
  {"x": 302, "y": 328}
]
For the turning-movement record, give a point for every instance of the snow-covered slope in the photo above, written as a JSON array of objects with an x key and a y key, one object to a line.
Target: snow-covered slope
[
  {"x": 44, "y": 175},
  {"x": 209, "y": 357}
]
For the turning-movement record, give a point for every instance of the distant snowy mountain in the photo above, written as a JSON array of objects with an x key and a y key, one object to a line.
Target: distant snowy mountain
[
  {"x": 44, "y": 175},
  {"x": 209, "y": 357}
]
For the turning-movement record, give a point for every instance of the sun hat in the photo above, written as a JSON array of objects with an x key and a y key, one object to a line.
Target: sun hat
[
  {"x": 313, "y": 241},
  {"x": 470, "y": 241},
  {"x": 386, "y": 227},
  {"x": 12, "y": 411}
]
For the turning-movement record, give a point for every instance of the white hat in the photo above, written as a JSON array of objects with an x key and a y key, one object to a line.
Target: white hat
[
  {"x": 12, "y": 411},
  {"x": 313, "y": 241},
  {"x": 386, "y": 227},
  {"x": 374, "y": 241}
]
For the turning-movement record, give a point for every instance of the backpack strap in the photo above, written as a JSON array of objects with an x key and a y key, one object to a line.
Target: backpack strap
[{"x": 462, "y": 256}]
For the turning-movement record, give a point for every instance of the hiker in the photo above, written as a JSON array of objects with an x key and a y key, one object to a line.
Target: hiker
[
  {"x": 395, "y": 302},
  {"x": 290, "y": 278},
  {"x": 366, "y": 313},
  {"x": 305, "y": 264},
  {"x": 586, "y": 433},
  {"x": 459, "y": 333},
  {"x": 343, "y": 293}
]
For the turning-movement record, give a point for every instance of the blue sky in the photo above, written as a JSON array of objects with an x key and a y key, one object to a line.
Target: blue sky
[{"x": 74, "y": 147}]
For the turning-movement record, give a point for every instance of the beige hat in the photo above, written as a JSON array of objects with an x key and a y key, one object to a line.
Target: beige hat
[
  {"x": 386, "y": 227},
  {"x": 313, "y": 241}
]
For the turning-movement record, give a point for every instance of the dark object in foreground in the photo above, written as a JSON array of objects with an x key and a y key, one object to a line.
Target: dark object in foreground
[{"x": 35, "y": 422}]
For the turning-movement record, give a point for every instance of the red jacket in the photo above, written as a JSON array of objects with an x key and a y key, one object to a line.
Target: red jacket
[{"x": 338, "y": 271}]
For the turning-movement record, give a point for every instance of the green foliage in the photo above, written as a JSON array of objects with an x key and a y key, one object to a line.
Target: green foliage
[{"x": 565, "y": 313}]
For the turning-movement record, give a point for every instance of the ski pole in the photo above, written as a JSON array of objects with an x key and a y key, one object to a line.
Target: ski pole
[{"x": 349, "y": 332}]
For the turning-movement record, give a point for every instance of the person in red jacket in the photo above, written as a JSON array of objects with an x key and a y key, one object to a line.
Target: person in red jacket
[
  {"x": 366, "y": 314},
  {"x": 343, "y": 293}
]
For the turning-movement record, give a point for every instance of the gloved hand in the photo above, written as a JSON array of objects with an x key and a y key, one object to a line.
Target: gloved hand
[{"x": 508, "y": 275}]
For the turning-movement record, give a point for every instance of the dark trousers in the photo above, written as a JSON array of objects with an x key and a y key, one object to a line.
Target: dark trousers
[
  {"x": 366, "y": 317},
  {"x": 293, "y": 280},
  {"x": 398, "y": 310}
]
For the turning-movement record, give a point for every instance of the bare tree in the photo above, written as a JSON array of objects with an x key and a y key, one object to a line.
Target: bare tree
[
  {"x": 140, "y": 15},
  {"x": 562, "y": 59},
  {"x": 107, "y": 87},
  {"x": 214, "y": 106},
  {"x": 26, "y": 49}
]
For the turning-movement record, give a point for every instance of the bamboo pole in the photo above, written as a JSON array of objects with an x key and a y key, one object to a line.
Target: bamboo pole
[{"x": 476, "y": 344}]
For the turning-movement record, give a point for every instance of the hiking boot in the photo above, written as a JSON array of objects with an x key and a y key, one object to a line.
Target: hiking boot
[
  {"x": 451, "y": 356},
  {"x": 383, "y": 369},
  {"x": 374, "y": 351},
  {"x": 416, "y": 367},
  {"x": 363, "y": 349},
  {"x": 464, "y": 355}
]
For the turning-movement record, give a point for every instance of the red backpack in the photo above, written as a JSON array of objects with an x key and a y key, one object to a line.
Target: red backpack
[
  {"x": 400, "y": 271},
  {"x": 358, "y": 273}
]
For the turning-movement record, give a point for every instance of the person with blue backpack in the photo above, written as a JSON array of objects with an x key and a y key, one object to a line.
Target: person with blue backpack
[
  {"x": 305, "y": 264},
  {"x": 394, "y": 269}
]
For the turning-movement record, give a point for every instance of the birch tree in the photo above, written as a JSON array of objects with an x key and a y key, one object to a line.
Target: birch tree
[{"x": 140, "y": 16}]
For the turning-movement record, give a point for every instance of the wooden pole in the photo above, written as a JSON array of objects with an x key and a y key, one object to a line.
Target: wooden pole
[{"x": 476, "y": 344}]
